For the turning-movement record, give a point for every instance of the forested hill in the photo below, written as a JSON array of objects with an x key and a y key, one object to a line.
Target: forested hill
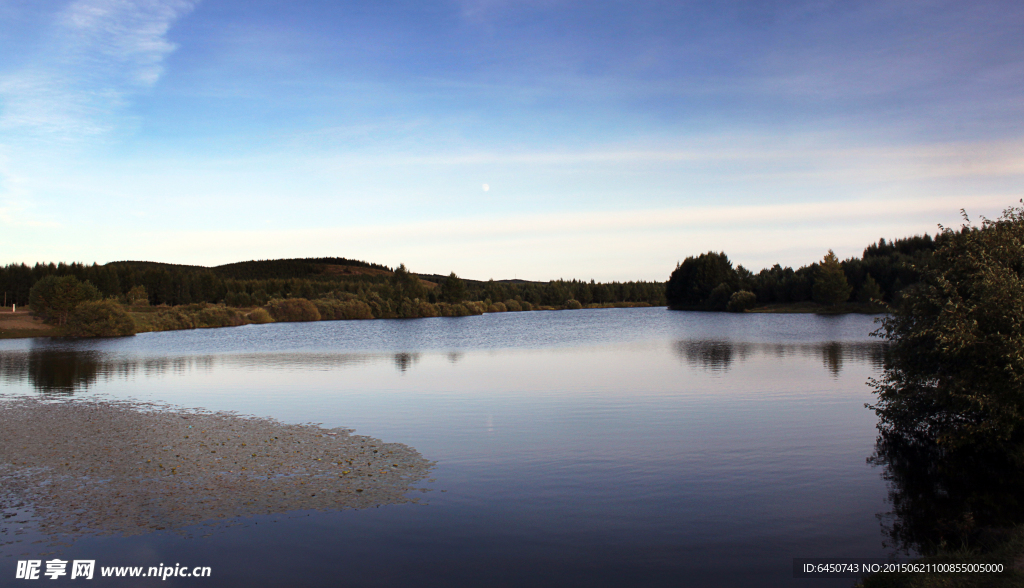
[
  {"x": 257, "y": 282},
  {"x": 270, "y": 269}
]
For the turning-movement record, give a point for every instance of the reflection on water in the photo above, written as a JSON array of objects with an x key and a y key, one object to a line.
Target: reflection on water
[
  {"x": 943, "y": 498},
  {"x": 719, "y": 356},
  {"x": 714, "y": 356},
  {"x": 64, "y": 371},
  {"x": 403, "y": 361}
]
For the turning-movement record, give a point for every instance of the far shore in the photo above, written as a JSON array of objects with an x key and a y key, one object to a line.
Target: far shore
[{"x": 23, "y": 323}]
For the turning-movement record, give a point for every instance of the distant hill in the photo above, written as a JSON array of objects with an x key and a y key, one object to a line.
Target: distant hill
[{"x": 271, "y": 269}]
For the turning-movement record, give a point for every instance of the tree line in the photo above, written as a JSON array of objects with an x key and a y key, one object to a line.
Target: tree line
[
  {"x": 710, "y": 282},
  {"x": 257, "y": 283}
]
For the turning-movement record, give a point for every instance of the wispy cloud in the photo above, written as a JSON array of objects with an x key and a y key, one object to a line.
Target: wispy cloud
[{"x": 98, "y": 53}]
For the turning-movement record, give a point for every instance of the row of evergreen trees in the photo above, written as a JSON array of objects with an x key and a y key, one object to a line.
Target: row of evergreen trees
[
  {"x": 710, "y": 282},
  {"x": 174, "y": 285}
]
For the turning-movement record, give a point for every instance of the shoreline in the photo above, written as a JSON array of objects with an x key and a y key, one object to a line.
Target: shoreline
[{"x": 25, "y": 325}]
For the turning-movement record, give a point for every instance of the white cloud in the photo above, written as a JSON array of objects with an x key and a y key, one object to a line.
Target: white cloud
[{"x": 97, "y": 54}]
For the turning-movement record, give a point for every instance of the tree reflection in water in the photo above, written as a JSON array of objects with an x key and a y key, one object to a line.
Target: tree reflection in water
[
  {"x": 714, "y": 356},
  {"x": 66, "y": 371},
  {"x": 52, "y": 371},
  {"x": 720, "y": 356},
  {"x": 943, "y": 499}
]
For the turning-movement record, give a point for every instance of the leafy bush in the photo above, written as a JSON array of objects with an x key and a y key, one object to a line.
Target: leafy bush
[
  {"x": 573, "y": 304},
  {"x": 343, "y": 310},
  {"x": 524, "y": 305},
  {"x": 293, "y": 310},
  {"x": 719, "y": 297},
  {"x": 218, "y": 316},
  {"x": 173, "y": 319},
  {"x": 260, "y": 316},
  {"x": 512, "y": 306},
  {"x": 742, "y": 300},
  {"x": 100, "y": 318},
  {"x": 955, "y": 371},
  {"x": 426, "y": 309},
  {"x": 455, "y": 310}
]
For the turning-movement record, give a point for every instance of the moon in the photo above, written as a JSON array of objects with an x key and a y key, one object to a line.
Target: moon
[{"x": 487, "y": 187}]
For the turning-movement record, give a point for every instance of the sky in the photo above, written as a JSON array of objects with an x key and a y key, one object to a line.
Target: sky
[{"x": 530, "y": 139}]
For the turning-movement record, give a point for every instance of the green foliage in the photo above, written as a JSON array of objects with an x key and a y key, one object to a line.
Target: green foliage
[
  {"x": 293, "y": 310},
  {"x": 512, "y": 306},
  {"x": 454, "y": 310},
  {"x": 218, "y": 316},
  {"x": 343, "y": 310},
  {"x": 137, "y": 296},
  {"x": 870, "y": 291},
  {"x": 452, "y": 289},
  {"x": 238, "y": 299},
  {"x": 830, "y": 285},
  {"x": 691, "y": 284},
  {"x": 573, "y": 304},
  {"x": 54, "y": 298},
  {"x": 405, "y": 284},
  {"x": 742, "y": 300},
  {"x": 719, "y": 297},
  {"x": 260, "y": 316},
  {"x": 955, "y": 368},
  {"x": 100, "y": 318},
  {"x": 196, "y": 316},
  {"x": 526, "y": 306},
  {"x": 426, "y": 309}
]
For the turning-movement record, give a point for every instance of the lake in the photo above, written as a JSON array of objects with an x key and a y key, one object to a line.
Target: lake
[{"x": 617, "y": 447}]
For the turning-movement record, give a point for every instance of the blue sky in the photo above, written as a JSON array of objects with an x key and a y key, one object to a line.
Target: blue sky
[{"x": 535, "y": 139}]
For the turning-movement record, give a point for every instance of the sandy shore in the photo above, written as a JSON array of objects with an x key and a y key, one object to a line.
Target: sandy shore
[{"x": 112, "y": 467}]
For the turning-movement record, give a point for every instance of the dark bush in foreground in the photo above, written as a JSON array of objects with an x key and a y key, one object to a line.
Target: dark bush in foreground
[
  {"x": 100, "y": 318},
  {"x": 294, "y": 310},
  {"x": 955, "y": 372}
]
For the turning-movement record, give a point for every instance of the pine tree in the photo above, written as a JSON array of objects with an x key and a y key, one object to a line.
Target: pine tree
[{"x": 830, "y": 285}]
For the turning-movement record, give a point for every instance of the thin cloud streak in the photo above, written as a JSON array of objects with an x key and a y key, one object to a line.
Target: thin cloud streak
[
  {"x": 98, "y": 54},
  {"x": 944, "y": 160}
]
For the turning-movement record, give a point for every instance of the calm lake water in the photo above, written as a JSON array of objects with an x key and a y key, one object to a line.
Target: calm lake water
[{"x": 623, "y": 447}]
